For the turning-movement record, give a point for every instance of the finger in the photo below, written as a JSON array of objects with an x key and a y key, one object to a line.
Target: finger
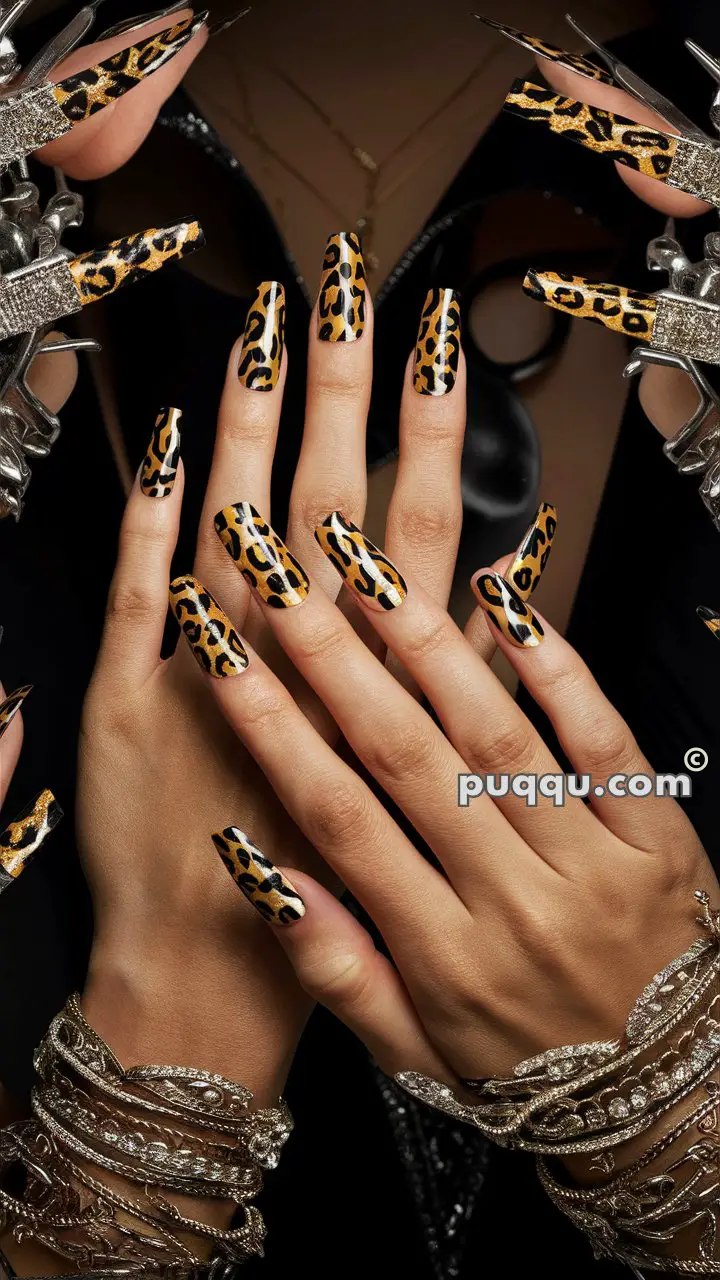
[
  {"x": 523, "y": 572},
  {"x": 106, "y": 136},
  {"x": 668, "y": 398},
  {"x": 393, "y": 736},
  {"x": 52, "y": 375},
  {"x": 137, "y": 603},
  {"x": 335, "y": 960},
  {"x": 425, "y": 514},
  {"x": 11, "y": 734},
  {"x": 248, "y": 422},
  {"x": 593, "y": 735},
  {"x": 333, "y": 807},
  {"x": 332, "y": 459},
  {"x": 20, "y": 841},
  {"x": 654, "y": 192}
]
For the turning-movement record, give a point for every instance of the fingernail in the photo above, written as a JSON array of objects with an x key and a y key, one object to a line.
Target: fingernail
[
  {"x": 363, "y": 566},
  {"x": 506, "y": 610},
  {"x": 533, "y": 553},
  {"x": 437, "y": 350},
  {"x": 159, "y": 469},
  {"x": 264, "y": 338},
  {"x": 25, "y": 835},
  {"x": 261, "y": 556},
  {"x": 270, "y": 892},
  {"x": 710, "y": 618},
  {"x": 341, "y": 305},
  {"x": 623, "y": 310},
  {"x": 10, "y": 707},
  {"x": 81, "y": 95},
  {"x": 211, "y": 635},
  {"x": 638, "y": 146},
  {"x": 573, "y": 61},
  {"x": 103, "y": 271}
]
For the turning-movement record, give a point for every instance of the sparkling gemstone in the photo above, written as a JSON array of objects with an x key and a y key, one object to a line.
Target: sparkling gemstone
[
  {"x": 555, "y": 1070},
  {"x": 655, "y": 1007},
  {"x": 666, "y": 988},
  {"x": 618, "y": 1109},
  {"x": 660, "y": 1083},
  {"x": 714, "y": 1037},
  {"x": 639, "y": 1098}
]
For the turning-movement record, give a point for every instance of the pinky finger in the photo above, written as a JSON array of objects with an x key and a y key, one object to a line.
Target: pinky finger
[{"x": 334, "y": 958}]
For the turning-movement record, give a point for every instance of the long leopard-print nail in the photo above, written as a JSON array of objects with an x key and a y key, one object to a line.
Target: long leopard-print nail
[
  {"x": 215, "y": 643},
  {"x": 10, "y": 707},
  {"x": 159, "y": 468},
  {"x": 261, "y": 556},
  {"x": 269, "y": 891},
  {"x": 86, "y": 92},
  {"x": 533, "y": 553},
  {"x": 710, "y": 618},
  {"x": 25, "y": 835},
  {"x": 264, "y": 338},
  {"x": 103, "y": 271},
  {"x": 341, "y": 304},
  {"x": 437, "y": 350},
  {"x": 505, "y": 609},
  {"x": 363, "y": 566},
  {"x": 623, "y": 310},
  {"x": 638, "y": 146},
  {"x": 534, "y": 44}
]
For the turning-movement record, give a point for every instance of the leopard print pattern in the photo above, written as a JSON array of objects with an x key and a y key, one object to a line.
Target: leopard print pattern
[
  {"x": 637, "y": 146},
  {"x": 102, "y": 271},
  {"x": 710, "y": 618},
  {"x": 533, "y": 553},
  {"x": 363, "y": 566},
  {"x": 261, "y": 556},
  {"x": 269, "y": 891},
  {"x": 503, "y": 606},
  {"x": 534, "y": 44},
  {"x": 25, "y": 835},
  {"x": 159, "y": 468},
  {"x": 264, "y": 338},
  {"x": 81, "y": 95},
  {"x": 10, "y": 707},
  {"x": 213, "y": 640},
  {"x": 437, "y": 350},
  {"x": 622, "y": 310},
  {"x": 341, "y": 304}
]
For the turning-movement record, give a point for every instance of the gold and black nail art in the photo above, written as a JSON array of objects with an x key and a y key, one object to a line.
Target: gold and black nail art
[
  {"x": 437, "y": 350},
  {"x": 24, "y": 836},
  {"x": 270, "y": 892},
  {"x": 211, "y": 635},
  {"x": 363, "y": 566},
  {"x": 159, "y": 469},
  {"x": 81, "y": 95},
  {"x": 264, "y": 338},
  {"x": 341, "y": 305},
  {"x": 504, "y": 607},
  {"x": 533, "y": 553},
  {"x": 710, "y": 618},
  {"x": 102, "y": 271},
  {"x": 627, "y": 311},
  {"x": 534, "y": 44},
  {"x": 261, "y": 556},
  {"x": 638, "y": 146},
  {"x": 10, "y": 707}
]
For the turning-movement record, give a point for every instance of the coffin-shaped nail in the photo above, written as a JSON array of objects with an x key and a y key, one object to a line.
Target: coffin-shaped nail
[
  {"x": 269, "y": 891},
  {"x": 10, "y": 707},
  {"x": 159, "y": 469},
  {"x": 534, "y": 44},
  {"x": 506, "y": 610},
  {"x": 260, "y": 554},
  {"x": 710, "y": 618},
  {"x": 437, "y": 349},
  {"x": 533, "y": 553},
  {"x": 214, "y": 642},
  {"x": 264, "y": 338},
  {"x": 102, "y": 271},
  {"x": 341, "y": 304},
  {"x": 24, "y": 836},
  {"x": 81, "y": 95},
  {"x": 365, "y": 569},
  {"x": 623, "y": 310}
]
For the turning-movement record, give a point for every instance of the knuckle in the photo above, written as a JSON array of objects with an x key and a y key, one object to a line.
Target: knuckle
[
  {"x": 309, "y": 510},
  {"x": 427, "y": 522},
  {"x": 402, "y": 752},
  {"x": 342, "y": 982},
  {"x": 609, "y": 749},
  {"x": 337, "y": 815},
  {"x": 318, "y": 641},
  {"x": 130, "y": 602},
  {"x": 263, "y": 712},
  {"x": 433, "y": 635},
  {"x": 339, "y": 383},
  {"x": 506, "y": 748}
]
